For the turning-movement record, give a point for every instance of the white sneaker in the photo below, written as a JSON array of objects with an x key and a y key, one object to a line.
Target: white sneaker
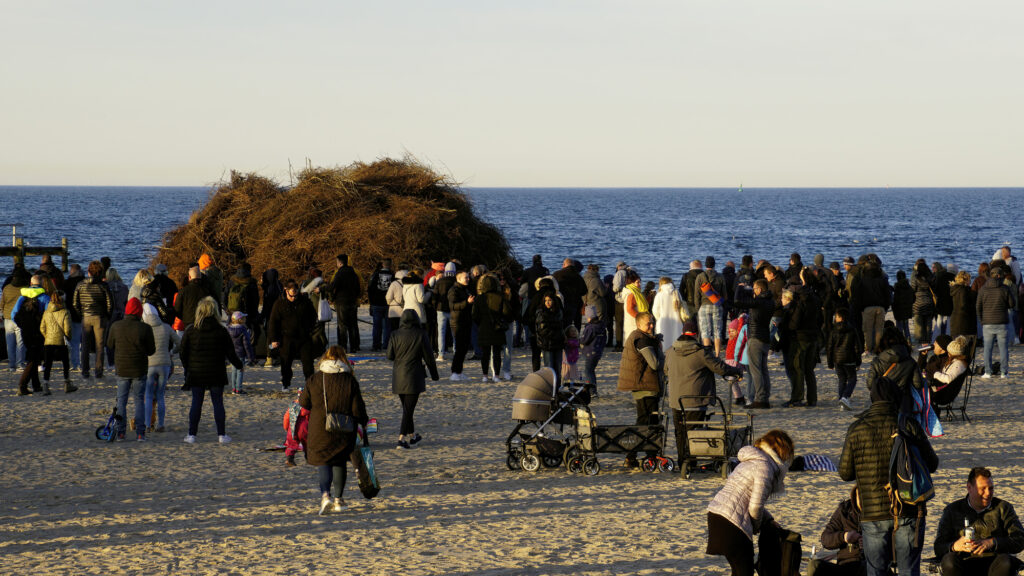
[
  {"x": 1004, "y": 375},
  {"x": 986, "y": 376},
  {"x": 225, "y": 439},
  {"x": 190, "y": 439},
  {"x": 455, "y": 377},
  {"x": 506, "y": 376},
  {"x": 440, "y": 357},
  {"x": 326, "y": 503},
  {"x": 845, "y": 405},
  {"x": 338, "y": 505},
  {"x": 488, "y": 379}
]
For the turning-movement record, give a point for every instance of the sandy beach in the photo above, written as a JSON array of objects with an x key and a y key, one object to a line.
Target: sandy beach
[{"x": 74, "y": 505}]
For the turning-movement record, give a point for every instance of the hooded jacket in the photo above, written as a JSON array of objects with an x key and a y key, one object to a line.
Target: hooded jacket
[
  {"x": 377, "y": 289},
  {"x": 394, "y": 297},
  {"x": 35, "y": 292},
  {"x": 335, "y": 381},
  {"x": 415, "y": 297},
  {"x": 846, "y": 518},
  {"x": 409, "y": 349},
  {"x": 164, "y": 337},
  {"x": 460, "y": 306},
  {"x": 904, "y": 373},
  {"x": 272, "y": 290},
  {"x": 691, "y": 370},
  {"x": 902, "y": 300},
  {"x": 188, "y": 299},
  {"x": 573, "y": 289},
  {"x": 596, "y": 295}
]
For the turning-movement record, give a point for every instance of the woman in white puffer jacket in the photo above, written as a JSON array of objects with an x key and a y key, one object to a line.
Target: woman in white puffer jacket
[{"x": 737, "y": 511}]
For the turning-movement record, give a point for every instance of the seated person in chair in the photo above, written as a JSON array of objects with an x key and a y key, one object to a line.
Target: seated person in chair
[
  {"x": 932, "y": 358},
  {"x": 998, "y": 534},
  {"x": 951, "y": 369},
  {"x": 842, "y": 533}
]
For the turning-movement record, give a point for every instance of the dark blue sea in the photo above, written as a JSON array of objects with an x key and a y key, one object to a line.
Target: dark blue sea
[{"x": 658, "y": 231}]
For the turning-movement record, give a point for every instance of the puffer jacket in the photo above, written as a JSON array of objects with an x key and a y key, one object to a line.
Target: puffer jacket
[
  {"x": 548, "y": 327},
  {"x": 691, "y": 370},
  {"x": 844, "y": 345},
  {"x": 204, "y": 347},
  {"x": 35, "y": 292},
  {"x": 866, "y": 454},
  {"x": 994, "y": 301},
  {"x": 741, "y": 501},
  {"x": 904, "y": 374},
  {"x": 93, "y": 299},
  {"x": 56, "y": 326},
  {"x": 924, "y": 305},
  {"x": 393, "y": 297},
  {"x": 415, "y": 296},
  {"x": 635, "y": 374}
]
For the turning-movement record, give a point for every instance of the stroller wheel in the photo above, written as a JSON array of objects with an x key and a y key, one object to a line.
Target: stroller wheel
[
  {"x": 575, "y": 465},
  {"x": 648, "y": 465},
  {"x": 530, "y": 462},
  {"x": 512, "y": 462},
  {"x": 591, "y": 467},
  {"x": 552, "y": 461},
  {"x": 666, "y": 465}
]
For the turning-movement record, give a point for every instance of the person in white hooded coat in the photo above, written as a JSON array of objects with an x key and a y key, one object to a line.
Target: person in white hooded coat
[
  {"x": 667, "y": 320},
  {"x": 164, "y": 339}
]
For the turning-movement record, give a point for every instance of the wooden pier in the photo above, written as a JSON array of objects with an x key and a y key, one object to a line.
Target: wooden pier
[{"x": 18, "y": 250}]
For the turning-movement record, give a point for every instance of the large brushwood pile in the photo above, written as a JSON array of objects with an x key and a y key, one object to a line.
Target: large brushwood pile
[{"x": 398, "y": 209}]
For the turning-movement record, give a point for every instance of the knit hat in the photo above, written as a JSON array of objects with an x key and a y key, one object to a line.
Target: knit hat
[
  {"x": 819, "y": 259},
  {"x": 449, "y": 269},
  {"x": 689, "y": 328},
  {"x": 957, "y": 347},
  {"x": 589, "y": 312},
  {"x": 709, "y": 262},
  {"x": 160, "y": 269},
  {"x": 133, "y": 307},
  {"x": 736, "y": 324},
  {"x": 205, "y": 261}
]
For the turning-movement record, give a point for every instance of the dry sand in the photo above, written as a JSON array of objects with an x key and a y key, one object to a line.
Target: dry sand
[{"x": 74, "y": 505}]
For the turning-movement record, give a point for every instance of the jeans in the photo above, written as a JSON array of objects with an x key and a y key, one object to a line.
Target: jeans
[
  {"x": 590, "y": 361},
  {"x": 879, "y": 540},
  {"x": 332, "y": 474},
  {"x": 847, "y": 376},
  {"x": 757, "y": 356},
  {"x": 196, "y": 411},
  {"x": 126, "y": 386},
  {"x": 991, "y": 333},
  {"x": 15, "y": 347},
  {"x": 941, "y": 325},
  {"x": 156, "y": 388},
  {"x": 75, "y": 345},
  {"x": 380, "y": 333},
  {"x": 236, "y": 378},
  {"x": 444, "y": 331},
  {"x": 904, "y": 326},
  {"x": 553, "y": 359},
  {"x": 873, "y": 318},
  {"x": 506, "y": 358}
]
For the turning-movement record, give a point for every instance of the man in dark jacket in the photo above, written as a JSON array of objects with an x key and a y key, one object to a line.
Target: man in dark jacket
[
  {"x": 290, "y": 331},
  {"x": 532, "y": 274},
  {"x": 998, "y": 534},
  {"x": 132, "y": 341},
  {"x": 573, "y": 289},
  {"x": 865, "y": 459},
  {"x": 71, "y": 283},
  {"x": 460, "y": 302},
  {"x": 167, "y": 287},
  {"x": 995, "y": 301},
  {"x": 842, "y": 533},
  {"x": 691, "y": 370},
  {"x": 687, "y": 291},
  {"x": 871, "y": 297},
  {"x": 92, "y": 301},
  {"x": 804, "y": 326},
  {"x": 191, "y": 294},
  {"x": 844, "y": 356},
  {"x": 376, "y": 292},
  {"x": 943, "y": 299},
  {"x": 345, "y": 292},
  {"x": 796, "y": 264},
  {"x": 759, "y": 322},
  {"x": 442, "y": 286}
]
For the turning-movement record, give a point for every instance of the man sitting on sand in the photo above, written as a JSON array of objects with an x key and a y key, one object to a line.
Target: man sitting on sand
[{"x": 997, "y": 537}]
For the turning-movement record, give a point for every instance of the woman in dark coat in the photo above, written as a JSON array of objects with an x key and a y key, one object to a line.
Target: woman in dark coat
[
  {"x": 924, "y": 301},
  {"x": 964, "y": 320},
  {"x": 333, "y": 388},
  {"x": 491, "y": 314},
  {"x": 549, "y": 331},
  {"x": 411, "y": 351},
  {"x": 204, "y": 347},
  {"x": 28, "y": 319}
]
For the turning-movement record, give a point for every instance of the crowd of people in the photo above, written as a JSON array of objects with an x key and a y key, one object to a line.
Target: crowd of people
[{"x": 673, "y": 341}]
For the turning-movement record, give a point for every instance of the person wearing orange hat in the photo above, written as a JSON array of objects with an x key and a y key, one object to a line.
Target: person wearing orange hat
[
  {"x": 132, "y": 341},
  {"x": 213, "y": 277}
]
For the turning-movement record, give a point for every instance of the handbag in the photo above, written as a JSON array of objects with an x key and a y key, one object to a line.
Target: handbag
[
  {"x": 336, "y": 421},
  {"x": 323, "y": 310}
]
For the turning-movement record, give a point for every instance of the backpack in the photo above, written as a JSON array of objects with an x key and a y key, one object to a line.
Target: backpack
[
  {"x": 236, "y": 297},
  {"x": 910, "y": 482}
]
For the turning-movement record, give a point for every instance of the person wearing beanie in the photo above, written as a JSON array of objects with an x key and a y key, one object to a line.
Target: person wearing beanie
[
  {"x": 593, "y": 339},
  {"x": 132, "y": 342},
  {"x": 167, "y": 287},
  {"x": 376, "y": 293},
  {"x": 444, "y": 311},
  {"x": 819, "y": 260},
  {"x": 213, "y": 278}
]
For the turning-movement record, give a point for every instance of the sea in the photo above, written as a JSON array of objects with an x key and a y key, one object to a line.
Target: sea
[{"x": 658, "y": 231}]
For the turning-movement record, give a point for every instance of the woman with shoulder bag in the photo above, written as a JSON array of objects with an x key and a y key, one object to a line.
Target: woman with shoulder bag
[{"x": 336, "y": 407}]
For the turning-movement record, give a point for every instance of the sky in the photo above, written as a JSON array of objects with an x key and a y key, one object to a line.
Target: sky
[{"x": 777, "y": 93}]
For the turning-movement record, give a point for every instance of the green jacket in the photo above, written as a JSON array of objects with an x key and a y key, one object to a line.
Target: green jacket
[{"x": 998, "y": 521}]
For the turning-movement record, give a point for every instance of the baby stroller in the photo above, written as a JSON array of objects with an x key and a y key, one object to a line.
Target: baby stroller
[{"x": 541, "y": 412}]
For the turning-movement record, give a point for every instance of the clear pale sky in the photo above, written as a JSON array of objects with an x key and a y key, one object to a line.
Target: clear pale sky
[{"x": 589, "y": 93}]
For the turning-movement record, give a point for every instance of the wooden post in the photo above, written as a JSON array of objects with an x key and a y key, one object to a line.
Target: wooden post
[
  {"x": 19, "y": 258},
  {"x": 64, "y": 254}
]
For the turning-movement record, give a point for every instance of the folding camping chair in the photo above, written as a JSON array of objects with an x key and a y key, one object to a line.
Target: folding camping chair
[{"x": 959, "y": 402}]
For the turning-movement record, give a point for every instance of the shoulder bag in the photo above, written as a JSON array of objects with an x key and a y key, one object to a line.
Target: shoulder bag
[{"x": 335, "y": 421}]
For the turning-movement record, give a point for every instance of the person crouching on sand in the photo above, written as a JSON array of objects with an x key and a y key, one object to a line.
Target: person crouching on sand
[{"x": 332, "y": 389}]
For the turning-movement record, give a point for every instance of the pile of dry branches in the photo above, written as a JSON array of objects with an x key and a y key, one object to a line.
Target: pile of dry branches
[{"x": 398, "y": 209}]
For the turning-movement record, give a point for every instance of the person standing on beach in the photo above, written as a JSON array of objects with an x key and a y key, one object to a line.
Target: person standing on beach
[
  {"x": 641, "y": 372},
  {"x": 290, "y": 331},
  {"x": 204, "y": 348},
  {"x": 924, "y": 302},
  {"x": 710, "y": 314},
  {"x": 56, "y": 329},
  {"x": 805, "y": 328},
  {"x": 333, "y": 389},
  {"x": 214, "y": 279},
  {"x": 573, "y": 289},
  {"x": 409, "y": 349},
  {"x": 865, "y": 459},
  {"x": 688, "y": 289},
  {"x": 618, "y": 285},
  {"x": 633, "y": 303},
  {"x": 762, "y": 308},
  {"x": 131, "y": 342},
  {"x": 190, "y": 296},
  {"x": 345, "y": 292},
  {"x": 93, "y": 303},
  {"x": 376, "y": 291},
  {"x": 994, "y": 304},
  {"x": 75, "y": 277},
  {"x": 270, "y": 282},
  {"x": 460, "y": 302}
]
